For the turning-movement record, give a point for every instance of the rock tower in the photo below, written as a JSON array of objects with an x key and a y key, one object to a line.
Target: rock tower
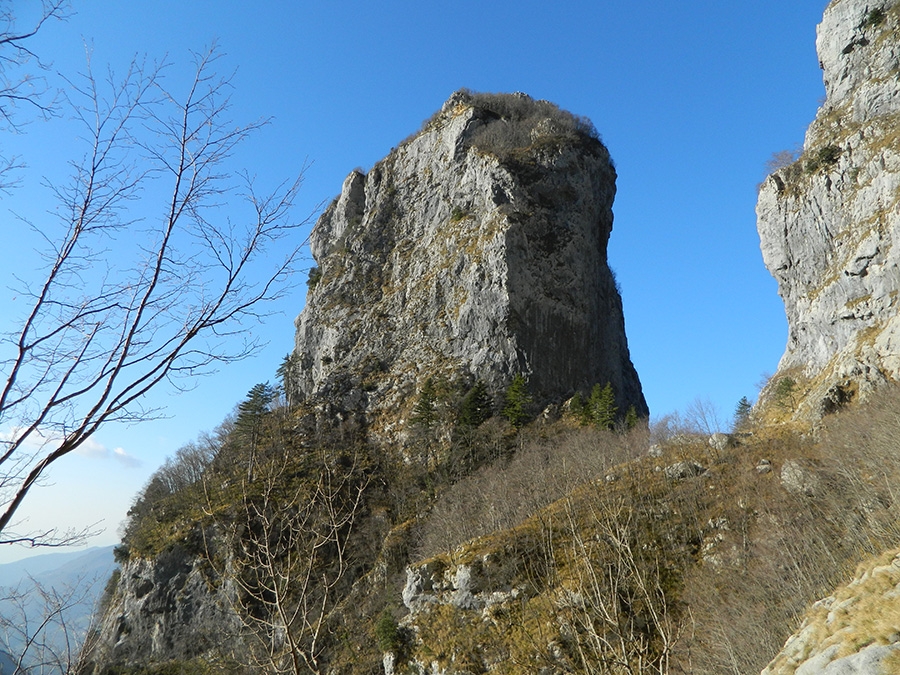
[{"x": 475, "y": 251}]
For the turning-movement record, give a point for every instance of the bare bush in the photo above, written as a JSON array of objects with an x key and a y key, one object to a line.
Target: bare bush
[
  {"x": 515, "y": 121},
  {"x": 508, "y": 491},
  {"x": 45, "y": 626},
  {"x": 292, "y": 540}
]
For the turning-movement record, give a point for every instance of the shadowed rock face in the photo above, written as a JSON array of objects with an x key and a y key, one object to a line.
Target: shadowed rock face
[
  {"x": 475, "y": 250},
  {"x": 828, "y": 223}
]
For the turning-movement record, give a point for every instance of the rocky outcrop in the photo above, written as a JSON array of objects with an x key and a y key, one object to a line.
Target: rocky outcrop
[
  {"x": 476, "y": 250},
  {"x": 828, "y": 223},
  {"x": 167, "y": 608},
  {"x": 853, "y": 632}
]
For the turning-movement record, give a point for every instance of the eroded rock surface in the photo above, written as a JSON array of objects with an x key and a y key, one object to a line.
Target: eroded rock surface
[
  {"x": 829, "y": 221},
  {"x": 853, "y": 632},
  {"x": 476, "y": 250}
]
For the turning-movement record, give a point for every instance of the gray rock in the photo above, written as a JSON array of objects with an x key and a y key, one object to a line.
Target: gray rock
[
  {"x": 828, "y": 224},
  {"x": 763, "y": 466},
  {"x": 798, "y": 479},
  {"x": 867, "y": 661},
  {"x": 452, "y": 260},
  {"x": 165, "y": 609},
  {"x": 684, "y": 470},
  {"x": 719, "y": 441}
]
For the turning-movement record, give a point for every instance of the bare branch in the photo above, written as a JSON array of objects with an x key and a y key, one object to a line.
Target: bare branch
[{"x": 129, "y": 303}]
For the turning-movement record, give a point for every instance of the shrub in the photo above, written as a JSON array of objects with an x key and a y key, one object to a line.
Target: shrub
[
  {"x": 514, "y": 122},
  {"x": 823, "y": 158},
  {"x": 388, "y": 633},
  {"x": 314, "y": 277},
  {"x": 874, "y": 18}
]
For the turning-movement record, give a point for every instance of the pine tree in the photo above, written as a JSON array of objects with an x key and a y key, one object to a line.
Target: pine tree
[
  {"x": 578, "y": 410},
  {"x": 287, "y": 374},
  {"x": 475, "y": 407},
  {"x": 517, "y": 401},
  {"x": 250, "y": 420},
  {"x": 631, "y": 418},
  {"x": 424, "y": 413},
  {"x": 784, "y": 393},
  {"x": 601, "y": 406},
  {"x": 742, "y": 412}
]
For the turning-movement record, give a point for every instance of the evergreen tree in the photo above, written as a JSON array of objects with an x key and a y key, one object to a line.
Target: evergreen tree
[
  {"x": 517, "y": 401},
  {"x": 249, "y": 423},
  {"x": 578, "y": 409},
  {"x": 253, "y": 409},
  {"x": 742, "y": 412},
  {"x": 476, "y": 406},
  {"x": 631, "y": 418},
  {"x": 424, "y": 413},
  {"x": 287, "y": 374},
  {"x": 601, "y": 406},
  {"x": 784, "y": 393}
]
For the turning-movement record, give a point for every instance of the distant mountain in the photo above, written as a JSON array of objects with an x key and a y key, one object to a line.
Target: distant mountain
[
  {"x": 63, "y": 587},
  {"x": 56, "y": 568}
]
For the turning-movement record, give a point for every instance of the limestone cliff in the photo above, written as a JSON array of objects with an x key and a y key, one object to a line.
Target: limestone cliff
[
  {"x": 828, "y": 223},
  {"x": 476, "y": 250},
  {"x": 168, "y": 608}
]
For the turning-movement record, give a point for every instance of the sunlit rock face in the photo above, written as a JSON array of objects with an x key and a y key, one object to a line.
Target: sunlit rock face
[
  {"x": 476, "y": 250},
  {"x": 828, "y": 223}
]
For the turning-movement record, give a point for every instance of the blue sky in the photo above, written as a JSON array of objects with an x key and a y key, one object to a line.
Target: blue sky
[{"x": 690, "y": 97}]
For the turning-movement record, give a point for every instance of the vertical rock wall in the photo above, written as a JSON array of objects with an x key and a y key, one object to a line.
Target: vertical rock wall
[
  {"x": 829, "y": 221},
  {"x": 475, "y": 250}
]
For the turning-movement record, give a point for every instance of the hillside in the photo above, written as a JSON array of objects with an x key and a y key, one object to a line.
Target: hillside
[{"x": 456, "y": 474}]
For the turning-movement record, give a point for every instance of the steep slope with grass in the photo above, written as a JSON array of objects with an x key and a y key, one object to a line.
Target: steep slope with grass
[
  {"x": 829, "y": 221},
  {"x": 475, "y": 251}
]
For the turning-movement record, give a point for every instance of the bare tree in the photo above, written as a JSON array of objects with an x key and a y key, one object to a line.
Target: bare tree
[
  {"x": 614, "y": 608},
  {"x": 152, "y": 277},
  {"x": 44, "y": 627},
  {"x": 20, "y": 87},
  {"x": 292, "y": 557}
]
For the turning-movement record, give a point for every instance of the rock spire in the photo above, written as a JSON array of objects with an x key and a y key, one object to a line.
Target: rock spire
[{"x": 475, "y": 251}]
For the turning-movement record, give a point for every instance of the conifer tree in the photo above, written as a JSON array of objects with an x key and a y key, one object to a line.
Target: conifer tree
[
  {"x": 631, "y": 418},
  {"x": 577, "y": 408},
  {"x": 475, "y": 407},
  {"x": 601, "y": 406},
  {"x": 424, "y": 413},
  {"x": 518, "y": 401},
  {"x": 250, "y": 420},
  {"x": 742, "y": 412}
]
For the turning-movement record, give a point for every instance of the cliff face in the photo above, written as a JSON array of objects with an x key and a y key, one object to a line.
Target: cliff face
[
  {"x": 476, "y": 250},
  {"x": 829, "y": 221},
  {"x": 162, "y": 609}
]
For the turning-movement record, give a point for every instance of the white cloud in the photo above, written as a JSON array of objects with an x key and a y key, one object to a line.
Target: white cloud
[
  {"x": 92, "y": 449},
  {"x": 127, "y": 460},
  {"x": 89, "y": 449}
]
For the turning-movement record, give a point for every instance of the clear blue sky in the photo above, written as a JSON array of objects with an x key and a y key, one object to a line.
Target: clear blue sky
[{"x": 690, "y": 97}]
